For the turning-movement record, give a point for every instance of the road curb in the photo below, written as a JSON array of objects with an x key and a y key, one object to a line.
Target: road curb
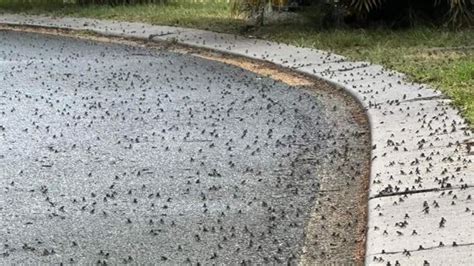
[{"x": 421, "y": 173}]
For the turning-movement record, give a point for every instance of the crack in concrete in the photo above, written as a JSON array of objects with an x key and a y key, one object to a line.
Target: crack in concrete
[
  {"x": 428, "y": 98},
  {"x": 407, "y": 251},
  {"x": 151, "y": 36},
  {"x": 383, "y": 195}
]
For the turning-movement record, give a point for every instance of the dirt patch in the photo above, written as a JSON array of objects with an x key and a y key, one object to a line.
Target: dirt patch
[
  {"x": 273, "y": 73},
  {"x": 336, "y": 230}
]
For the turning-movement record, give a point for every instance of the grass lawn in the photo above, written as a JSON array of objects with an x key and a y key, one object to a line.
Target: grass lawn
[{"x": 440, "y": 57}]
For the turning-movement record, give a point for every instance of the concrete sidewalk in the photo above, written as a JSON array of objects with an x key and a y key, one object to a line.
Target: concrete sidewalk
[{"x": 421, "y": 210}]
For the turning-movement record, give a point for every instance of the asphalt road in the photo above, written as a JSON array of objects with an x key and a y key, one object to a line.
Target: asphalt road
[{"x": 119, "y": 154}]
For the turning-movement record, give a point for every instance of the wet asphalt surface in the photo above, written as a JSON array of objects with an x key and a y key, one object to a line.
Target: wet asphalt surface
[{"x": 118, "y": 154}]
